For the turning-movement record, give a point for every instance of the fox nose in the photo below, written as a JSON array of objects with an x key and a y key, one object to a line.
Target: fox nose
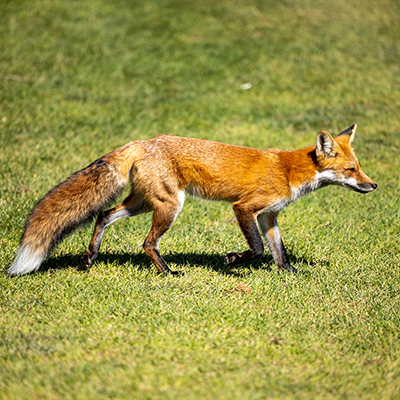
[{"x": 374, "y": 186}]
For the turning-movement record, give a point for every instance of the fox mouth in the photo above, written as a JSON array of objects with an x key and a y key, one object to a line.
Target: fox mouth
[{"x": 362, "y": 187}]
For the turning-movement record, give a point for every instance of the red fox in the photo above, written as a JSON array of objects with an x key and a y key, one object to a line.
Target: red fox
[{"x": 259, "y": 183}]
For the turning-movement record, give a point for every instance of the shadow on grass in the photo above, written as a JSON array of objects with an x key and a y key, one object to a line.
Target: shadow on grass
[{"x": 195, "y": 260}]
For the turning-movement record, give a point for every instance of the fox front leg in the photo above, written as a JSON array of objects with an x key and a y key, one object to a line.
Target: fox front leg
[
  {"x": 248, "y": 225},
  {"x": 269, "y": 227}
]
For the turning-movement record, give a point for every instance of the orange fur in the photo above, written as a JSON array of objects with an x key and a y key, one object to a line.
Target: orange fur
[{"x": 259, "y": 183}]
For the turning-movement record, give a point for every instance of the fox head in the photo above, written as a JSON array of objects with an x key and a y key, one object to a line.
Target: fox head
[{"x": 338, "y": 162}]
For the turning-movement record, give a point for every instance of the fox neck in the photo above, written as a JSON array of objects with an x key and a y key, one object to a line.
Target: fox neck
[{"x": 304, "y": 175}]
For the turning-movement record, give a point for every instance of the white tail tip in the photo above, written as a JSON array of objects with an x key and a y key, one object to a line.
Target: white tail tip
[{"x": 25, "y": 262}]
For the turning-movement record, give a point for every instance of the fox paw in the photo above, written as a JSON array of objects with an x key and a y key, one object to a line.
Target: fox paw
[
  {"x": 292, "y": 269},
  {"x": 87, "y": 261},
  {"x": 173, "y": 273},
  {"x": 232, "y": 258},
  {"x": 289, "y": 268}
]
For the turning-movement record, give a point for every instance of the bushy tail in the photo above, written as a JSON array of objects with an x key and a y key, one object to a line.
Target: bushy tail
[{"x": 70, "y": 204}]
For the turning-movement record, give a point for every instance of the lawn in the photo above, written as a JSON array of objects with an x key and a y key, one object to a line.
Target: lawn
[{"x": 81, "y": 78}]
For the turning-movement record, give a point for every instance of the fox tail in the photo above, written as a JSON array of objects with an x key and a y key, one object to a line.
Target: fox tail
[{"x": 70, "y": 204}]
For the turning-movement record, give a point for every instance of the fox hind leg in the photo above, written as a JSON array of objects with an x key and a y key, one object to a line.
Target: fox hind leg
[
  {"x": 164, "y": 216},
  {"x": 133, "y": 205}
]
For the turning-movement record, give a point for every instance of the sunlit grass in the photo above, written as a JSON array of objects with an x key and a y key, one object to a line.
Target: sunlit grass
[{"x": 79, "y": 79}]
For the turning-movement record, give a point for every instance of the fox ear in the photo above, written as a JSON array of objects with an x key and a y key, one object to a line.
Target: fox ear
[
  {"x": 350, "y": 132},
  {"x": 326, "y": 144}
]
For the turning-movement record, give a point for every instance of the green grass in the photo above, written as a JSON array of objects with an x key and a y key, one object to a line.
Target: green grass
[{"x": 80, "y": 78}]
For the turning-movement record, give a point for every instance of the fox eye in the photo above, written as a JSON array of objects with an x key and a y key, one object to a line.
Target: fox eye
[{"x": 353, "y": 170}]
